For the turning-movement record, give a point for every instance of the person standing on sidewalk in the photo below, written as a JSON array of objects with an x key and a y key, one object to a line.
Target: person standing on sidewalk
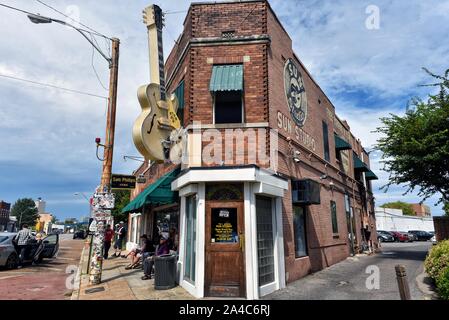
[
  {"x": 22, "y": 241},
  {"x": 121, "y": 234},
  {"x": 108, "y": 236}
]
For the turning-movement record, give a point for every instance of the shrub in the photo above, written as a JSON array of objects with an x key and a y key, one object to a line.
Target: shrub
[
  {"x": 437, "y": 260},
  {"x": 442, "y": 283}
]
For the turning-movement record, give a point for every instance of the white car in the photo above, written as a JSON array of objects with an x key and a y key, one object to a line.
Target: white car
[
  {"x": 434, "y": 240},
  {"x": 8, "y": 254}
]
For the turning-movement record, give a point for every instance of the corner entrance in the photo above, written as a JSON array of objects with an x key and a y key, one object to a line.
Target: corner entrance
[{"x": 225, "y": 242}]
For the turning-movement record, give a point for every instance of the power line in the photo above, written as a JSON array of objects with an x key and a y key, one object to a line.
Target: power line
[
  {"x": 54, "y": 86},
  {"x": 16, "y": 9},
  {"x": 76, "y": 21},
  {"x": 34, "y": 14},
  {"x": 175, "y": 12},
  {"x": 95, "y": 70}
]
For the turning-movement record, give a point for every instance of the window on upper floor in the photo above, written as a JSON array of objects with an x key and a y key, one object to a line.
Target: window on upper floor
[
  {"x": 228, "y": 107},
  {"x": 226, "y": 86},
  {"x": 179, "y": 92},
  {"x": 326, "y": 142}
]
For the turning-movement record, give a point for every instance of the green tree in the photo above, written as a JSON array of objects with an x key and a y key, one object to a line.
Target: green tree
[
  {"x": 122, "y": 198},
  {"x": 406, "y": 208},
  {"x": 415, "y": 146},
  {"x": 446, "y": 209},
  {"x": 25, "y": 211},
  {"x": 53, "y": 219}
]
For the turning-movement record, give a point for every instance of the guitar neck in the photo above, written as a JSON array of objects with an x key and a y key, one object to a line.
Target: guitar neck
[
  {"x": 157, "y": 66},
  {"x": 161, "y": 64}
]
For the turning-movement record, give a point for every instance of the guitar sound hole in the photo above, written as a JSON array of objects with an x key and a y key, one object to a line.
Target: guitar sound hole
[{"x": 152, "y": 124}]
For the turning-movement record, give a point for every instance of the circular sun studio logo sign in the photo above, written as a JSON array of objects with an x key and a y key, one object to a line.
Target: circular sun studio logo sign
[{"x": 295, "y": 92}]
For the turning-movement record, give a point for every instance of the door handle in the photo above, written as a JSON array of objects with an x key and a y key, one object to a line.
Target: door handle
[{"x": 242, "y": 242}]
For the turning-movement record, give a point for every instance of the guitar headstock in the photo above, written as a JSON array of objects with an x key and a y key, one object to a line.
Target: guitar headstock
[{"x": 153, "y": 16}]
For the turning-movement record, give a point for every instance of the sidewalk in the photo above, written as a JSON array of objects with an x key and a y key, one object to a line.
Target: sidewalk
[{"x": 120, "y": 284}]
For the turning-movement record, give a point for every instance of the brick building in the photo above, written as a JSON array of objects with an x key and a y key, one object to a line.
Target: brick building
[
  {"x": 5, "y": 209},
  {"x": 421, "y": 210},
  {"x": 273, "y": 185}
]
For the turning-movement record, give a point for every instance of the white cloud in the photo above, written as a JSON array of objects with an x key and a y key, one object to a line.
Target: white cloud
[{"x": 56, "y": 130}]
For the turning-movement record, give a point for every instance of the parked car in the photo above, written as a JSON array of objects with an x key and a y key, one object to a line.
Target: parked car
[
  {"x": 9, "y": 256},
  {"x": 434, "y": 240},
  {"x": 411, "y": 237},
  {"x": 80, "y": 234},
  {"x": 421, "y": 235},
  {"x": 400, "y": 236},
  {"x": 384, "y": 236}
]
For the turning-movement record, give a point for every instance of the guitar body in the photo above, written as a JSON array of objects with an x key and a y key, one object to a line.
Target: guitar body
[{"x": 152, "y": 129}]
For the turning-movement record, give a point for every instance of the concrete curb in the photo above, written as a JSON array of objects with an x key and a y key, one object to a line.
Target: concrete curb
[
  {"x": 77, "y": 281},
  {"x": 425, "y": 285}
]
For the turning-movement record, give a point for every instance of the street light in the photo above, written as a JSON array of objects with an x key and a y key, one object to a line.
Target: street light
[
  {"x": 105, "y": 186},
  {"x": 38, "y": 19}
]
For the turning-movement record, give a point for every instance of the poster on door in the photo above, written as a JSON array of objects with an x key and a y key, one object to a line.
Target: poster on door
[{"x": 224, "y": 225}]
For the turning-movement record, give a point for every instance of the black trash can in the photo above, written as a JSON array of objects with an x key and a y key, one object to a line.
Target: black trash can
[{"x": 165, "y": 272}]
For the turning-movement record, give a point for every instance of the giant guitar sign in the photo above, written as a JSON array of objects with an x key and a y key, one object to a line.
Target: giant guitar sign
[{"x": 158, "y": 120}]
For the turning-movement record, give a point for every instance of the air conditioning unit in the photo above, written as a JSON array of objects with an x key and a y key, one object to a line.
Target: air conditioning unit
[{"x": 306, "y": 192}]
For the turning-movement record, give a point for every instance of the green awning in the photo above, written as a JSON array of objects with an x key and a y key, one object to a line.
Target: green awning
[
  {"x": 341, "y": 144},
  {"x": 371, "y": 176},
  {"x": 227, "y": 78},
  {"x": 359, "y": 164},
  {"x": 158, "y": 193}
]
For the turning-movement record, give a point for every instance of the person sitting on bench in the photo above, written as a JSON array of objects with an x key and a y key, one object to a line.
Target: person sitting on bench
[
  {"x": 140, "y": 254},
  {"x": 162, "y": 248}
]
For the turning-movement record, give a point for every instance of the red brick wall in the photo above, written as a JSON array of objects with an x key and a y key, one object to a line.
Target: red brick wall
[
  {"x": 246, "y": 19},
  {"x": 264, "y": 96}
]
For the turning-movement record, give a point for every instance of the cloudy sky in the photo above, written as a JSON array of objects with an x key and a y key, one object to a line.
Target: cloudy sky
[{"x": 47, "y": 135}]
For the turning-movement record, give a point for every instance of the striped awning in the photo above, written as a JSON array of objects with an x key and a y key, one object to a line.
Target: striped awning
[
  {"x": 371, "y": 176},
  {"x": 359, "y": 164},
  {"x": 158, "y": 193},
  {"x": 227, "y": 78},
  {"x": 341, "y": 144}
]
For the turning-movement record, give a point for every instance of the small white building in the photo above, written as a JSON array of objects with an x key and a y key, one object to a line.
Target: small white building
[{"x": 394, "y": 220}]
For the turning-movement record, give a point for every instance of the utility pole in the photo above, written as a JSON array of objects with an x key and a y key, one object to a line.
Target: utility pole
[
  {"x": 96, "y": 264},
  {"x": 110, "y": 125}
]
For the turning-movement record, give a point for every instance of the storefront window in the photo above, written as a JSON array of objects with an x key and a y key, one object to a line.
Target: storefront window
[
  {"x": 334, "y": 217},
  {"x": 299, "y": 225},
  {"x": 189, "y": 264},
  {"x": 265, "y": 243},
  {"x": 167, "y": 225}
]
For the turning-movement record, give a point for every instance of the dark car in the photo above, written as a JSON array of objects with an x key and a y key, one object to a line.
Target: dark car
[
  {"x": 80, "y": 234},
  {"x": 421, "y": 235},
  {"x": 384, "y": 236}
]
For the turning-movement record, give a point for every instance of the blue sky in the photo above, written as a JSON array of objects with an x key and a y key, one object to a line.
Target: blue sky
[{"x": 47, "y": 136}]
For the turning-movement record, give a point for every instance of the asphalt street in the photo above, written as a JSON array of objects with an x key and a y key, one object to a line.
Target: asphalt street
[
  {"x": 348, "y": 280},
  {"x": 51, "y": 280}
]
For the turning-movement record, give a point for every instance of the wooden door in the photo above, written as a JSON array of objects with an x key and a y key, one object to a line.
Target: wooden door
[{"x": 225, "y": 243}]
